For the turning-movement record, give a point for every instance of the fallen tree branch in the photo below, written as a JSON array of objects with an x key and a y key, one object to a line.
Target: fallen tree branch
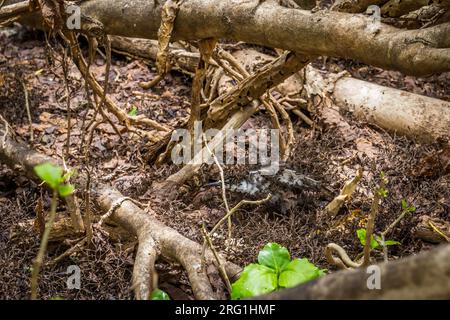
[
  {"x": 415, "y": 116},
  {"x": 322, "y": 33},
  {"x": 404, "y": 113}
]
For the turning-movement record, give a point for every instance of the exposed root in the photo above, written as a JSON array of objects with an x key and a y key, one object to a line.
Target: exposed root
[{"x": 155, "y": 238}]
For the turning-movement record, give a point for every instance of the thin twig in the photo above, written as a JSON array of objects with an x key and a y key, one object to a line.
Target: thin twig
[
  {"x": 234, "y": 209},
  {"x": 69, "y": 252},
  {"x": 220, "y": 266},
  {"x": 371, "y": 222},
  {"x": 222, "y": 179},
  {"x": 69, "y": 111},
  {"x": 27, "y": 106},
  {"x": 43, "y": 247},
  {"x": 6, "y": 132}
]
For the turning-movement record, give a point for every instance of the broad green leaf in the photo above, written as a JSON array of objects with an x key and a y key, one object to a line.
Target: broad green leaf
[
  {"x": 133, "y": 112},
  {"x": 298, "y": 271},
  {"x": 50, "y": 174},
  {"x": 65, "y": 190},
  {"x": 158, "y": 294},
  {"x": 254, "y": 280},
  {"x": 406, "y": 207},
  {"x": 274, "y": 256},
  {"x": 322, "y": 272},
  {"x": 362, "y": 238}
]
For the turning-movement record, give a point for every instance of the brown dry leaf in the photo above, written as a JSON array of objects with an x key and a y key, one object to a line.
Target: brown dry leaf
[
  {"x": 366, "y": 147},
  {"x": 332, "y": 118},
  {"x": 436, "y": 164},
  {"x": 341, "y": 224},
  {"x": 51, "y": 13},
  {"x": 39, "y": 222},
  {"x": 350, "y": 186}
]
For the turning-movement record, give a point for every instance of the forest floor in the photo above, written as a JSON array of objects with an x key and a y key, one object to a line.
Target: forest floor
[{"x": 330, "y": 154}]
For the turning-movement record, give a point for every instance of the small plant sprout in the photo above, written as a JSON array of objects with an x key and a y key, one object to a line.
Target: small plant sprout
[
  {"x": 53, "y": 176},
  {"x": 274, "y": 270},
  {"x": 376, "y": 242},
  {"x": 368, "y": 239},
  {"x": 133, "y": 112}
]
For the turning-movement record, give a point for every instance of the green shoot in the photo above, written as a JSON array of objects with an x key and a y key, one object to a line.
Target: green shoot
[{"x": 53, "y": 176}]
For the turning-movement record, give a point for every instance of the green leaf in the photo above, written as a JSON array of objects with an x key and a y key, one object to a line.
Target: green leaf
[
  {"x": 133, "y": 112},
  {"x": 322, "y": 272},
  {"x": 298, "y": 271},
  {"x": 254, "y": 280},
  {"x": 65, "y": 190},
  {"x": 404, "y": 204},
  {"x": 362, "y": 238},
  {"x": 50, "y": 174},
  {"x": 406, "y": 207},
  {"x": 391, "y": 243},
  {"x": 383, "y": 192},
  {"x": 274, "y": 256},
  {"x": 158, "y": 294}
]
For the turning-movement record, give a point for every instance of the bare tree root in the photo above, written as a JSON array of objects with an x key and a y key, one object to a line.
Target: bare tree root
[
  {"x": 416, "y": 116},
  {"x": 254, "y": 86},
  {"x": 155, "y": 238},
  {"x": 327, "y": 33},
  {"x": 355, "y": 6}
]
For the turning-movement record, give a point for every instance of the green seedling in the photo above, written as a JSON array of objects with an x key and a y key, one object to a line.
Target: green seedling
[
  {"x": 53, "y": 176},
  {"x": 376, "y": 242},
  {"x": 275, "y": 270},
  {"x": 133, "y": 112}
]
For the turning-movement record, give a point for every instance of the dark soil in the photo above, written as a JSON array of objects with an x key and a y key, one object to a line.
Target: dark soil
[{"x": 331, "y": 155}]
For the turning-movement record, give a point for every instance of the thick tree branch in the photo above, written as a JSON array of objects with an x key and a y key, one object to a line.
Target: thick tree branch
[
  {"x": 328, "y": 33},
  {"x": 322, "y": 33}
]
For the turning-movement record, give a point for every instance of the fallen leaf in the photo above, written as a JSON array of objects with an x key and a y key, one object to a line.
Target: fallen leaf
[{"x": 350, "y": 186}]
